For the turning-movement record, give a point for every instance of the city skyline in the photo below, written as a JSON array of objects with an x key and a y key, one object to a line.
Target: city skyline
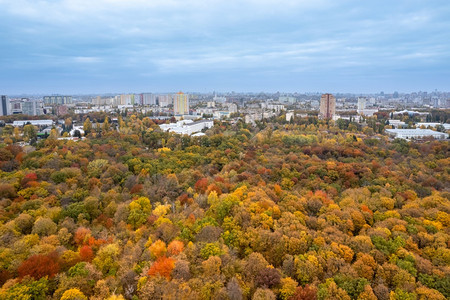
[{"x": 70, "y": 47}]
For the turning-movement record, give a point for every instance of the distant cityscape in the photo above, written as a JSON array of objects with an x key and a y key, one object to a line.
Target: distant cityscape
[{"x": 196, "y": 111}]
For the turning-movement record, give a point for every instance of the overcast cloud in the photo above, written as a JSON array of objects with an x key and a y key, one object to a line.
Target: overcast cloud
[{"x": 85, "y": 46}]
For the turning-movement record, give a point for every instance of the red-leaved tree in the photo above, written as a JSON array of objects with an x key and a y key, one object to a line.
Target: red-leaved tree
[
  {"x": 162, "y": 266},
  {"x": 86, "y": 253},
  {"x": 38, "y": 266}
]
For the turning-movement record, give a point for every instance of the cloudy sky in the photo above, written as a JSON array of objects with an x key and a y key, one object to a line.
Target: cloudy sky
[{"x": 98, "y": 46}]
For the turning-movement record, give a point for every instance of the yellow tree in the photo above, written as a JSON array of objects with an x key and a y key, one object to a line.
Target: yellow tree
[
  {"x": 87, "y": 126},
  {"x": 29, "y": 132},
  {"x": 68, "y": 124},
  {"x": 105, "y": 125},
  {"x": 16, "y": 133},
  {"x": 73, "y": 294}
]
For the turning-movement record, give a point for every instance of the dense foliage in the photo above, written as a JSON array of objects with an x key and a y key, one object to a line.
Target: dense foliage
[{"x": 304, "y": 210}]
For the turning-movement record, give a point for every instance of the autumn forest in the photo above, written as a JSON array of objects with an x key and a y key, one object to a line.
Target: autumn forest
[{"x": 306, "y": 209}]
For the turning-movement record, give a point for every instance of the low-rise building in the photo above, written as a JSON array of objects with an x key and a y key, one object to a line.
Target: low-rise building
[
  {"x": 77, "y": 128},
  {"x": 416, "y": 134},
  {"x": 397, "y": 123},
  {"x": 33, "y": 122},
  {"x": 290, "y": 100},
  {"x": 219, "y": 114},
  {"x": 289, "y": 116},
  {"x": 433, "y": 125},
  {"x": 232, "y": 108},
  {"x": 369, "y": 112},
  {"x": 187, "y": 126},
  {"x": 275, "y": 107}
]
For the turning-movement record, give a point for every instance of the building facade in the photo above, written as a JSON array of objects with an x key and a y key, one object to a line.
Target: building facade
[
  {"x": 4, "y": 106},
  {"x": 57, "y": 100},
  {"x": 181, "y": 104},
  {"x": 165, "y": 100},
  {"x": 39, "y": 123},
  {"x": 15, "y": 107},
  {"x": 149, "y": 99},
  {"x": 127, "y": 99},
  {"x": 290, "y": 100},
  {"x": 327, "y": 106},
  {"x": 416, "y": 134},
  {"x": 32, "y": 108},
  {"x": 361, "y": 104},
  {"x": 187, "y": 126}
]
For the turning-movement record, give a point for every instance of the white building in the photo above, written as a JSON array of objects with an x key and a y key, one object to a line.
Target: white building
[
  {"x": 123, "y": 108},
  {"x": 105, "y": 108},
  {"x": 187, "y": 126},
  {"x": 433, "y": 125},
  {"x": 275, "y": 107},
  {"x": 397, "y": 123},
  {"x": 368, "y": 111},
  {"x": 290, "y": 100},
  {"x": 149, "y": 99},
  {"x": 416, "y": 134},
  {"x": 220, "y": 114},
  {"x": 75, "y": 128},
  {"x": 361, "y": 104},
  {"x": 232, "y": 107},
  {"x": 219, "y": 99},
  {"x": 289, "y": 115},
  {"x": 33, "y": 122},
  {"x": 103, "y": 101},
  {"x": 409, "y": 112},
  {"x": 165, "y": 100}
]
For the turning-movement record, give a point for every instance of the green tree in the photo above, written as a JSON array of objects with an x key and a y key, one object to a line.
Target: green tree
[
  {"x": 29, "y": 133},
  {"x": 140, "y": 210},
  {"x": 107, "y": 259}
]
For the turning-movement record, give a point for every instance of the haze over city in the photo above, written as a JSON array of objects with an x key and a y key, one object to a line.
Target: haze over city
[{"x": 68, "y": 46}]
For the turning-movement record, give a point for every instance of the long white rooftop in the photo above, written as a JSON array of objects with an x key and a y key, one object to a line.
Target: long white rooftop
[
  {"x": 33, "y": 122},
  {"x": 416, "y": 133}
]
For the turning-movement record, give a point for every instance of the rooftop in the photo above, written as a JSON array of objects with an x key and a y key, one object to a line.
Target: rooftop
[
  {"x": 33, "y": 122},
  {"x": 414, "y": 131},
  {"x": 198, "y": 122}
]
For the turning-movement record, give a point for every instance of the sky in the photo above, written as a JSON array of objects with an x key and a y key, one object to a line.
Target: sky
[{"x": 121, "y": 46}]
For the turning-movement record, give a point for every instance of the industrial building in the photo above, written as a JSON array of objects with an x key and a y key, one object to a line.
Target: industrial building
[
  {"x": 416, "y": 134},
  {"x": 187, "y": 126},
  {"x": 33, "y": 122},
  {"x": 433, "y": 125}
]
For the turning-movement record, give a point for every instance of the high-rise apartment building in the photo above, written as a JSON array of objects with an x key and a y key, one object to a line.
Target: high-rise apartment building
[
  {"x": 361, "y": 104},
  {"x": 15, "y": 107},
  {"x": 149, "y": 99},
  {"x": 165, "y": 100},
  {"x": 32, "y": 107},
  {"x": 4, "y": 106},
  {"x": 327, "y": 106},
  {"x": 127, "y": 99},
  {"x": 181, "y": 104},
  {"x": 55, "y": 100}
]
